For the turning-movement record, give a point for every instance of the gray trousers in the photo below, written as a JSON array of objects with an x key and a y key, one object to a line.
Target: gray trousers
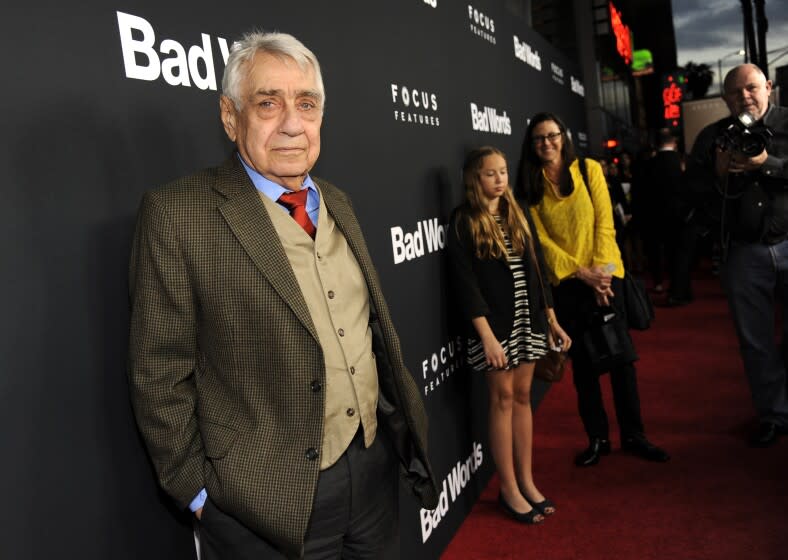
[
  {"x": 752, "y": 275},
  {"x": 354, "y": 517}
]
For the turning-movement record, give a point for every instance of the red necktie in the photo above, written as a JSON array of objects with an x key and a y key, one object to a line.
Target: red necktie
[{"x": 295, "y": 201}]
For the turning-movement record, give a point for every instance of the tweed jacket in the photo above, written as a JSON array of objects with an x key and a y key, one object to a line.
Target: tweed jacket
[
  {"x": 485, "y": 287},
  {"x": 225, "y": 366}
]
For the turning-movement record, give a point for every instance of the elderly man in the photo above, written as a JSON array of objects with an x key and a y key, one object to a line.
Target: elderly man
[
  {"x": 266, "y": 374},
  {"x": 754, "y": 194}
]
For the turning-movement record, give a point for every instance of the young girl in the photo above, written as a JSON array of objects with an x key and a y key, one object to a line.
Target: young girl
[{"x": 492, "y": 249}]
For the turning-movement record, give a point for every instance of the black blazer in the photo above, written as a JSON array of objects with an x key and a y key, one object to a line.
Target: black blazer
[
  {"x": 485, "y": 287},
  {"x": 657, "y": 198}
]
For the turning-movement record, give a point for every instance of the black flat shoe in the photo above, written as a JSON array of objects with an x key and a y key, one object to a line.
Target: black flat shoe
[
  {"x": 542, "y": 506},
  {"x": 532, "y": 517},
  {"x": 644, "y": 449},
  {"x": 590, "y": 456},
  {"x": 766, "y": 435}
]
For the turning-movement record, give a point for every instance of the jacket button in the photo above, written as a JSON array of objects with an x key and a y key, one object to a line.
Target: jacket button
[
  {"x": 316, "y": 386},
  {"x": 330, "y": 294},
  {"x": 341, "y": 332},
  {"x": 350, "y": 412},
  {"x": 352, "y": 370},
  {"x": 311, "y": 454}
]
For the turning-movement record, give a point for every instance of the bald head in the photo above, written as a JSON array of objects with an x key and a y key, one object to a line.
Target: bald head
[{"x": 747, "y": 90}]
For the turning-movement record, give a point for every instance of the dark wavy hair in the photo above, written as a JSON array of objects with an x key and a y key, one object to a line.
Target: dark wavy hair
[{"x": 530, "y": 181}]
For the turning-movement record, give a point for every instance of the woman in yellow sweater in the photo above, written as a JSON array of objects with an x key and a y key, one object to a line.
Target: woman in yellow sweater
[{"x": 574, "y": 222}]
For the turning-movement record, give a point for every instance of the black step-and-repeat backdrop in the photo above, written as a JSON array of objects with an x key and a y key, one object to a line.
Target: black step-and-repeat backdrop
[{"x": 105, "y": 99}]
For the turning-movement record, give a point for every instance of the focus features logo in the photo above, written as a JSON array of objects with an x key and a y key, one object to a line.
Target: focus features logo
[
  {"x": 488, "y": 120},
  {"x": 414, "y": 105},
  {"x": 441, "y": 365},
  {"x": 577, "y": 86},
  {"x": 524, "y": 52},
  {"x": 451, "y": 488},
  {"x": 481, "y": 25},
  {"x": 557, "y": 72},
  {"x": 433, "y": 3},
  {"x": 429, "y": 237},
  {"x": 178, "y": 66}
]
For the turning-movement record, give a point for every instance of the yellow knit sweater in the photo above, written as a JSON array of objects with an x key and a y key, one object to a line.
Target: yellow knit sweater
[{"x": 573, "y": 231}]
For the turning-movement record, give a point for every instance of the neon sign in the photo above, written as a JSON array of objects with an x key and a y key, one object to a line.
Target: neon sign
[
  {"x": 642, "y": 62},
  {"x": 622, "y": 34},
  {"x": 672, "y": 95}
]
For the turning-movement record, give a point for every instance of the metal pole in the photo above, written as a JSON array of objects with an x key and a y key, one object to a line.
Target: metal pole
[
  {"x": 719, "y": 73},
  {"x": 749, "y": 30},
  {"x": 763, "y": 27}
]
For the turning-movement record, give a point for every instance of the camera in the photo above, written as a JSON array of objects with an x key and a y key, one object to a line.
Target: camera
[{"x": 745, "y": 136}]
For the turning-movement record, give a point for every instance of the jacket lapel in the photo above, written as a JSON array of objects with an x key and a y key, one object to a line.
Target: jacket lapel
[
  {"x": 340, "y": 209},
  {"x": 248, "y": 219}
]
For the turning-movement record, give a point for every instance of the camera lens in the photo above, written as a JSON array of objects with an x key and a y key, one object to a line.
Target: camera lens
[{"x": 752, "y": 144}]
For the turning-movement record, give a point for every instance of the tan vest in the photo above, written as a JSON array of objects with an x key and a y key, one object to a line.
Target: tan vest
[{"x": 338, "y": 300}]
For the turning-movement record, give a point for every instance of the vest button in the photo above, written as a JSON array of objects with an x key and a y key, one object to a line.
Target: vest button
[
  {"x": 311, "y": 454},
  {"x": 330, "y": 294},
  {"x": 316, "y": 386},
  {"x": 350, "y": 412},
  {"x": 341, "y": 332}
]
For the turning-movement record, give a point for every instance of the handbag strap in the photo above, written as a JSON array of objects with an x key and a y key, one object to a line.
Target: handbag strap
[
  {"x": 584, "y": 172},
  {"x": 581, "y": 163},
  {"x": 535, "y": 260}
]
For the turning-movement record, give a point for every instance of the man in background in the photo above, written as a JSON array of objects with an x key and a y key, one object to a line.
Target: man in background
[
  {"x": 658, "y": 207},
  {"x": 751, "y": 181}
]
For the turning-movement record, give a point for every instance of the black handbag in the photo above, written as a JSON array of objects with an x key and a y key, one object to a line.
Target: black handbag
[
  {"x": 606, "y": 341},
  {"x": 639, "y": 309}
]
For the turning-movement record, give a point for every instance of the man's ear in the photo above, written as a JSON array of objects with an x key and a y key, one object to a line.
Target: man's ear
[{"x": 229, "y": 117}]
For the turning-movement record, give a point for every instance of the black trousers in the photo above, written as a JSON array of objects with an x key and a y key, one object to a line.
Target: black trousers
[
  {"x": 354, "y": 516},
  {"x": 683, "y": 261},
  {"x": 573, "y": 300},
  {"x": 660, "y": 241}
]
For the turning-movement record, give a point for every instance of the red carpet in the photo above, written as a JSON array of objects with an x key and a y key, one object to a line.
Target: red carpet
[{"x": 717, "y": 499}]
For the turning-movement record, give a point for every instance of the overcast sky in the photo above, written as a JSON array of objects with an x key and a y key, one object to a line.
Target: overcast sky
[{"x": 708, "y": 30}]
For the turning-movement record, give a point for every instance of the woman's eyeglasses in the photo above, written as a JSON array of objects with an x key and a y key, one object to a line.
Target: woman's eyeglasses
[{"x": 552, "y": 137}]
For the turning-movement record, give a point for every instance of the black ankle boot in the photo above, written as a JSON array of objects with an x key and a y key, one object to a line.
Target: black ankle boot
[{"x": 596, "y": 448}]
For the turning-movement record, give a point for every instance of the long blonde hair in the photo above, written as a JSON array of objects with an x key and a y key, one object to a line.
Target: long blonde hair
[{"x": 488, "y": 240}]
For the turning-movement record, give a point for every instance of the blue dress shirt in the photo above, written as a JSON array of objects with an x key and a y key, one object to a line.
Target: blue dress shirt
[{"x": 274, "y": 191}]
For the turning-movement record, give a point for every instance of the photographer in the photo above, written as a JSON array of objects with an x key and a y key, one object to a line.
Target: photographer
[{"x": 738, "y": 166}]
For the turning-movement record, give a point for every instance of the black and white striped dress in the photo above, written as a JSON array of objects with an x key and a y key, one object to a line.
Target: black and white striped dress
[{"x": 523, "y": 345}]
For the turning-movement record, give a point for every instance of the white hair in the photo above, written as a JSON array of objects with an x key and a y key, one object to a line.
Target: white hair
[{"x": 277, "y": 44}]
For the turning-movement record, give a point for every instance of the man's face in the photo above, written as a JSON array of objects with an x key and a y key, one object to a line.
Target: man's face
[
  {"x": 277, "y": 130},
  {"x": 747, "y": 90}
]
